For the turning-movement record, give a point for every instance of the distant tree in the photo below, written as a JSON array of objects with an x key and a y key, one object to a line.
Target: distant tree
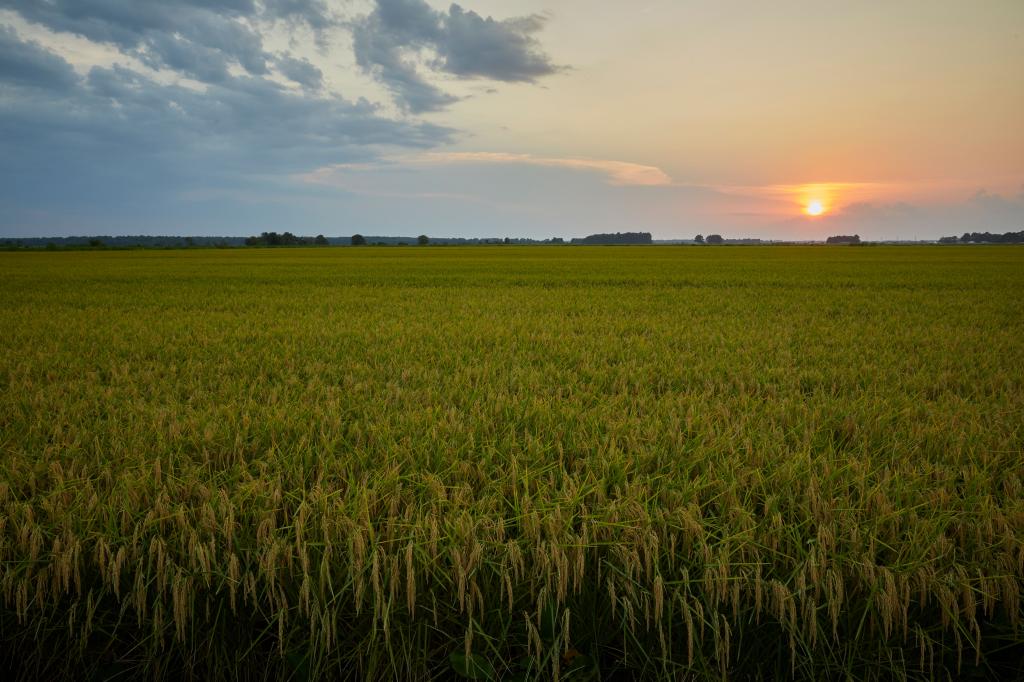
[
  {"x": 423, "y": 240},
  {"x": 358, "y": 240},
  {"x": 96, "y": 243},
  {"x": 989, "y": 238},
  {"x": 949, "y": 240},
  {"x": 617, "y": 238},
  {"x": 275, "y": 239},
  {"x": 844, "y": 239},
  {"x": 189, "y": 241},
  {"x": 715, "y": 239},
  {"x": 507, "y": 240},
  {"x": 699, "y": 239},
  {"x": 321, "y": 240},
  {"x": 50, "y": 246}
]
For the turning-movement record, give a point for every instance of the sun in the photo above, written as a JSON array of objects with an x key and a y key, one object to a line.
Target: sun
[{"x": 814, "y": 207}]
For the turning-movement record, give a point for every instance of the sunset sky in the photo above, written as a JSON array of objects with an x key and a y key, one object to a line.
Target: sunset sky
[{"x": 532, "y": 118}]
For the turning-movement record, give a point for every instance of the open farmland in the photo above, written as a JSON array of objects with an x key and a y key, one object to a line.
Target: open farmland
[{"x": 540, "y": 461}]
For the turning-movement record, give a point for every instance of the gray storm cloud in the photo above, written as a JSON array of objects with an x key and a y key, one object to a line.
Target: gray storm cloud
[
  {"x": 402, "y": 38},
  {"x": 220, "y": 115},
  {"x": 29, "y": 64}
]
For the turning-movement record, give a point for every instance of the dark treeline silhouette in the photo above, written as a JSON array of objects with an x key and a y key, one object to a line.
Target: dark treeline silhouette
[
  {"x": 289, "y": 239},
  {"x": 124, "y": 241},
  {"x": 844, "y": 239},
  {"x": 719, "y": 239},
  {"x": 263, "y": 239},
  {"x": 444, "y": 241},
  {"x": 285, "y": 239},
  {"x": 617, "y": 238},
  {"x": 987, "y": 238}
]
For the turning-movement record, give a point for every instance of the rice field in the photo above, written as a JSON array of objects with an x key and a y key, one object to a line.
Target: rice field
[{"x": 574, "y": 463}]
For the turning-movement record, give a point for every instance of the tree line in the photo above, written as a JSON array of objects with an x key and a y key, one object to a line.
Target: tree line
[
  {"x": 986, "y": 238},
  {"x": 617, "y": 238},
  {"x": 290, "y": 239},
  {"x": 285, "y": 239},
  {"x": 844, "y": 239}
]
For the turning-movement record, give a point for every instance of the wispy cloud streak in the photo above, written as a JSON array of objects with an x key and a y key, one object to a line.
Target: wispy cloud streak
[{"x": 617, "y": 173}]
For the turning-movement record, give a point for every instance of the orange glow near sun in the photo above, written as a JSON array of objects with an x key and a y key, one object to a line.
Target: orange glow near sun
[{"x": 814, "y": 207}]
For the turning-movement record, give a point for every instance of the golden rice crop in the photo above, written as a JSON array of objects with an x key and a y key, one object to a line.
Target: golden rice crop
[{"x": 513, "y": 462}]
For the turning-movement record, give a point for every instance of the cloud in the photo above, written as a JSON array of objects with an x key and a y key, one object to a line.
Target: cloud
[
  {"x": 782, "y": 200},
  {"x": 378, "y": 54},
  {"x": 28, "y": 64},
  {"x": 300, "y": 71},
  {"x": 474, "y": 47},
  {"x": 311, "y": 12},
  {"x": 390, "y": 42},
  {"x": 617, "y": 173},
  {"x": 187, "y": 100},
  {"x": 620, "y": 173},
  {"x": 120, "y": 143},
  {"x": 903, "y": 204},
  {"x": 1009, "y": 207},
  {"x": 954, "y": 214},
  {"x": 166, "y": 50},
  {"x": 202, "y": 39}
]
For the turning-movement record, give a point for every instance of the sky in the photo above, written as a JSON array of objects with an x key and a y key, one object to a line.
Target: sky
[{"x": 534, "y": 118}]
